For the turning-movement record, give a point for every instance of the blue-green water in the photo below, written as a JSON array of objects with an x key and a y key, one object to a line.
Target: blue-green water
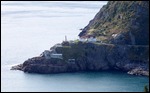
[
  {"x": 80, "y": 81},
  {"x": 29, "y": 28}
]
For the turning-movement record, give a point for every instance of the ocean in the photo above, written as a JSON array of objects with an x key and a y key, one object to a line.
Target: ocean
[{"x": 30, "y": 27}]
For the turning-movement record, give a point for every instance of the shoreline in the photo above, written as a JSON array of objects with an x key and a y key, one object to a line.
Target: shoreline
[{"x": 87, "y": 57}]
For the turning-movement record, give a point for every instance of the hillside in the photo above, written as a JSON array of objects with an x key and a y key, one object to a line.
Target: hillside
[{"x": 121, "y": 22}]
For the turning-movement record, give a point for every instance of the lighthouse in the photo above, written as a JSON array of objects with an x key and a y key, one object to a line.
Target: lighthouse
[{"x": 65, "y": 38}]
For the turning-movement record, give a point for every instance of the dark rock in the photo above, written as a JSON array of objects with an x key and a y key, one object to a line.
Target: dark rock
[
  {"x": 17, "y": 67},
  {"x": 91, "y": 57},
  {"x": 123, "y": 24},
  {"x": 138, "y": 71}
]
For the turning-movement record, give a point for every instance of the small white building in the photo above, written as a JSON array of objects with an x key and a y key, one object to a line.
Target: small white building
[
  {"x": 88, "y": 39},
  {"x": 49, "y": 54},
  {"x": 114, "y": 35},
  {"x": 83, "y": 39},
  {"x": 71, "y": 61},
  {"x": 91, "y": 39},
  {"x": 46, "y": 54},
  {"x": 59, "y": 56}
]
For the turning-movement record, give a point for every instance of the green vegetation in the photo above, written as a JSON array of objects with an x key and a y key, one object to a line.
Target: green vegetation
[
  {"x": 76, "y": 51},
  {"x": 121, "y": 17},
  {"x": 146, "y": 89},
  {"x": 76, "y": 41}
]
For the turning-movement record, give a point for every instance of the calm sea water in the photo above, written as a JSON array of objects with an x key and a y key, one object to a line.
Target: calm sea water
[{"x": 29, "y": 28}]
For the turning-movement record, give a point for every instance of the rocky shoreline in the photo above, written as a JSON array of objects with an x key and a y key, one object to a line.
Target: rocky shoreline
[
  {"x": 116, "y": 39},
  {"x": 90, "y": 57}
]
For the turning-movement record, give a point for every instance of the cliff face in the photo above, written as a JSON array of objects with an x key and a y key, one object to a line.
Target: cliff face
[
  {"x": 122, "y": 25},
  {"x": 96, "y": 56},
  {"x": 121, "y": 22},
  {"x": 92, "y": 57}
]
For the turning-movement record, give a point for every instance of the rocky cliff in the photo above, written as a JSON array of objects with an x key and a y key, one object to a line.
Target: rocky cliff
[
  {"x": 92, "y": 57},
  {"x": 121, "y": 22},
  {"x": 122, "y": 25}
]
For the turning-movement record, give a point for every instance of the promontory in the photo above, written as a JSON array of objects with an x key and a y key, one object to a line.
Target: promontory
[{"x": 117, "y": 38}]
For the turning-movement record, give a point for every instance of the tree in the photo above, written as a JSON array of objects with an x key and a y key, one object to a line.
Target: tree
[{"x": 146, "y": 88}]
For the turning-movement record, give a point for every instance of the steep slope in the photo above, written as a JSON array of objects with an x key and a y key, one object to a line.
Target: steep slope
[{"x": 121, "y": 22}]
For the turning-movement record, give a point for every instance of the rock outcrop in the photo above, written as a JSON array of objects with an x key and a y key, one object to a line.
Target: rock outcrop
[
  {"x": 123, "y": 26},
  {"x": 92, "y": 57}
]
